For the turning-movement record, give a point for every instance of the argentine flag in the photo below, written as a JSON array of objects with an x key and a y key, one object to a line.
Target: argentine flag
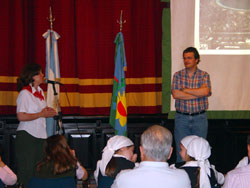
[{"x": 52, "y": 73}]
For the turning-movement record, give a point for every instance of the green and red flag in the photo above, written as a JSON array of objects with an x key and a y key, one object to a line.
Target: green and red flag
[{"x": 118, "y": 110}]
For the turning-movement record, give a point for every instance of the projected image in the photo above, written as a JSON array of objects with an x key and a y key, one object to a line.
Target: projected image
[{"x": 223, "y": 26}]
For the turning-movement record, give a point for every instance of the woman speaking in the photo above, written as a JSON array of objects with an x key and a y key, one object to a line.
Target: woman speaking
[{"x": 31, "y": 113}]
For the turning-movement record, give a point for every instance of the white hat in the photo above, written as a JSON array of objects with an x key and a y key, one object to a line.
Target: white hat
[
  {"x": 186, "y": 140},
  {"x": 114, "y": 143},
  {"x": 200, "y": 150}
]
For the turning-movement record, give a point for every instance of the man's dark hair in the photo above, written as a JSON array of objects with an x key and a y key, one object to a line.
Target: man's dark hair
[
  {"x": 1, "y": 150},
  {"x": 195, "y": 51},
  {"x": 248, "y": 139}
]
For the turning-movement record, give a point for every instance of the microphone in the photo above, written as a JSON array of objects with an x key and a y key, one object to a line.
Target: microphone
[{"x": 52, "y": 82}]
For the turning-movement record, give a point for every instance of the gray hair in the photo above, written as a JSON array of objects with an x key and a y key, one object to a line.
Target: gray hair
[{"x": 156, "y": 142}]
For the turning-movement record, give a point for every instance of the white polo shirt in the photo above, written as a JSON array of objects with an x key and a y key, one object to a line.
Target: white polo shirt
[
  {"x": 152, "y": 174},
  {"x": 28, "y": 103}
]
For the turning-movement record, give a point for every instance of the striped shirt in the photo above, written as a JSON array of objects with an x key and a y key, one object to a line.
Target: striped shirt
[
  {"x": 238, "y": 178},
  {"x": 181, "y": 81}
]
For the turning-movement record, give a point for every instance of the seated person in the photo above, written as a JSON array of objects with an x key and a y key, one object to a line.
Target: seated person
[
  {"x": 153, "y": 171},
  {"x": 59, "y": 160},
  {"x": 245, "y": 160},
  {"x": 184, "y": 142},
  {"x": 195, "y": 151},
  {"x": 240, "y": 176},
  {"x": 117, "y": 155},
  {"x": 7, "y": 176}
]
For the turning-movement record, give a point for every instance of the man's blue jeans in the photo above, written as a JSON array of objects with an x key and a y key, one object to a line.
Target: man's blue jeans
[{"x": 186, "y": 125}]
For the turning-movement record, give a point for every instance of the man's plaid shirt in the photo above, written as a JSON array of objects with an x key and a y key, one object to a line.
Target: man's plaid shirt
[{"x": 181, "y": 81}]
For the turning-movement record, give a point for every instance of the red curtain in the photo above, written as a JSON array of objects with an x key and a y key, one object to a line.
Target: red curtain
[{"x": 86, "y": 51}]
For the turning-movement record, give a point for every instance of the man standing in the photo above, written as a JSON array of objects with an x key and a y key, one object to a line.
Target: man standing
[
  {"x": 153, "y": 171},
  {"x": 191, "y": 88}
]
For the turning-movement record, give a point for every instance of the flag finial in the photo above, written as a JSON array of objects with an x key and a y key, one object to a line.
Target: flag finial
[
  {"x": 120, "y": 22},
  {"x": 51, "y": 19}
]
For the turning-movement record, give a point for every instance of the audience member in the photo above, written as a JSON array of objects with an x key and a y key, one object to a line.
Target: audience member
[
  {"x": 245, "y": 160},
  {"x": 183, "y": 144},
  {"x": 195, "y": 151},
  {"x": 240, "y": 176},
  {"x": 117, "y": 155},
  {"x": 7, "y": 176},
  {"x": 153, "y": 171},
  {"x": 59, "y": 160}
]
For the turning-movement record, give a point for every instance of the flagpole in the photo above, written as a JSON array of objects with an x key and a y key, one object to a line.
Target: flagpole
[
  {"x": 53, "y": 73},
  {"x": 51, "y": 19},
  {"x": 118, "y": 108},
  {"x": 120, "y": 22}
]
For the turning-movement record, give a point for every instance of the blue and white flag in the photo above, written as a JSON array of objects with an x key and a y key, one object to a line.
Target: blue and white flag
[{"x": 52, "y": 73}]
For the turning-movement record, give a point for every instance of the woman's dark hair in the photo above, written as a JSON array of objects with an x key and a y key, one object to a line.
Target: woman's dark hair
[
  {"x": 195, "y": 51},
  {"x": 111, "y": 168},
  {"x": 197, "y": 172},
  {"x": 198, "y": 177},
  {"x": 58, "y": 153},
  {"x": 26, "y": 75}
]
